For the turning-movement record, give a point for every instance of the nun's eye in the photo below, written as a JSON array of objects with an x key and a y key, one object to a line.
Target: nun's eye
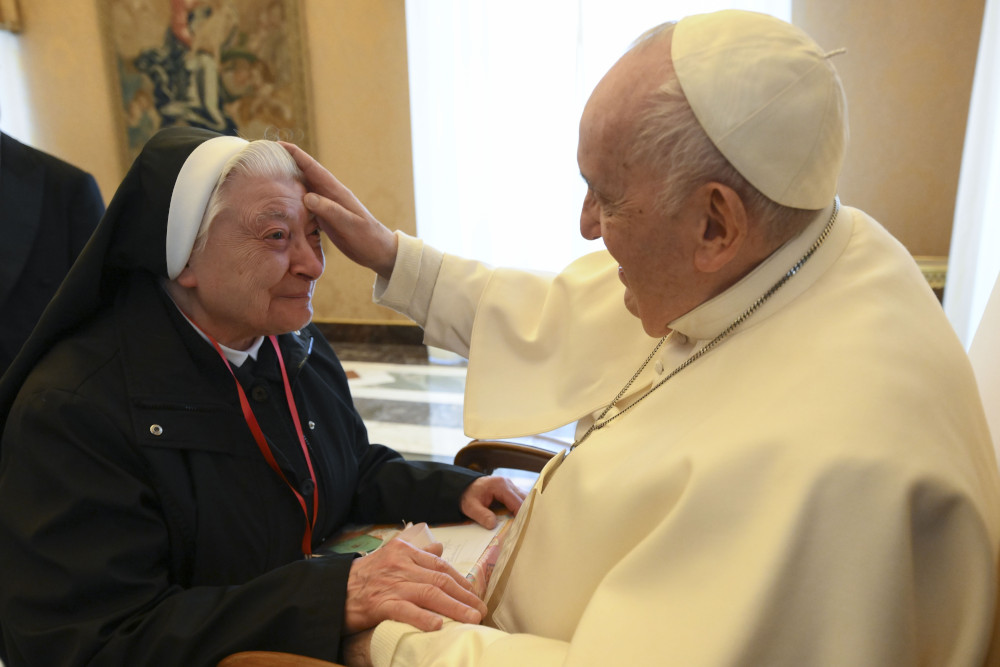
[{"x": 277, "y": 236}]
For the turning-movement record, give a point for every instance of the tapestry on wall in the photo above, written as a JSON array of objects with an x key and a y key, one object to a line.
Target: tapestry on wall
[{"x": 233, "y": 66}]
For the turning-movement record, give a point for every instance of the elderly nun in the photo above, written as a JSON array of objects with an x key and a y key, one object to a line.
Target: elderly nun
[{"x": 178, "y": 439}]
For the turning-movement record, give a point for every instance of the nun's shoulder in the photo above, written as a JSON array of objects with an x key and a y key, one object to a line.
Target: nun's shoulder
[{"x": 80, "y": 362}]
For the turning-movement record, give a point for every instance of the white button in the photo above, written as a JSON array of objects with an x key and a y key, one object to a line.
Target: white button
[
  {"x": 312, "y": 425},
  {"x": 658, "y": 367},
  {"x": 156, "y": 429}
]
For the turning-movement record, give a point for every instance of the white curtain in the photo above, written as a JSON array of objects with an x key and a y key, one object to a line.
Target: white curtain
[
  {"x": 974, "y": 260},
  {"x": 496, "y": 92},
  {"x": 984, "y": 353},
  {"x": 15, "y": 114}
]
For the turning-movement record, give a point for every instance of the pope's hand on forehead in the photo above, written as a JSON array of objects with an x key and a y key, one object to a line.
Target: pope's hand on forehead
[{"x": 351, "y": 227}]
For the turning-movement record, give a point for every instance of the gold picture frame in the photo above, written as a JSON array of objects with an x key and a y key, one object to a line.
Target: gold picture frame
[
  {"x": 10, "y": 16},
  {"x": 234, "y": 66}
]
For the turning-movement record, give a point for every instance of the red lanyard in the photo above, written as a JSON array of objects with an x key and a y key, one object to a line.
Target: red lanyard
[{"x": 265, "y": 449}]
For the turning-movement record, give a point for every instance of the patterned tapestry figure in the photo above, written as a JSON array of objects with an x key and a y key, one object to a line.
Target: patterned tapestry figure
[{"x": 230, "y": 66}]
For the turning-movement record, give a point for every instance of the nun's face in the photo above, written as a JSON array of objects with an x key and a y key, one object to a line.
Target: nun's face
[{"x": 256, "y": 272}]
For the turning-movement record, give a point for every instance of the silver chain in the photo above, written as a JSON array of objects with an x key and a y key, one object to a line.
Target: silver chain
[{"x": 598, "y": 424}]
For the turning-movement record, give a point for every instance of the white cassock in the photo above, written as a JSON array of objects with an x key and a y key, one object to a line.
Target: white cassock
[{"x": 818, "y": 489}]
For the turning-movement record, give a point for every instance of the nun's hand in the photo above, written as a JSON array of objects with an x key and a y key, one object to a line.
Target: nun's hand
[
  {"x": 347, "y": 222},
  {"x": 402, "y": 582}
]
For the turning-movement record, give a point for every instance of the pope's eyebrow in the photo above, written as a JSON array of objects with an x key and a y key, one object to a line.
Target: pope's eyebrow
[{"x": 597, "y": 193}]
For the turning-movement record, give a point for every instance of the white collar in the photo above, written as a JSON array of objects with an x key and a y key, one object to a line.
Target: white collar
[{"x": 235, "y": 357}]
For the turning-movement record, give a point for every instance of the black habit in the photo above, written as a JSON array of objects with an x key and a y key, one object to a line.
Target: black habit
[{"x": 139, "y": 522}]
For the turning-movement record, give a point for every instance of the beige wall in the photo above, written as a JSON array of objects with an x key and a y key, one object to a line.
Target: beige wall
[
  {"x": 908, "y": 74},
  {"x": 360, "y": 94},
  {"x": 67, "y": 86}
]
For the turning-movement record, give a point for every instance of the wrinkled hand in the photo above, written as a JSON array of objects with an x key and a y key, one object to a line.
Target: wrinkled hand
[
  {"x": 483, "y": 492},
  {"x": 343, "y": 218},
  {"x": 406, "y": 584}
]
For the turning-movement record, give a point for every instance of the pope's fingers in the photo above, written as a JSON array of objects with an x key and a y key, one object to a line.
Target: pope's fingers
[
  {"x": 333, "y": 219},
  {"x": 321, "y": 180},
  {"x": 361, "y": 237},
  {"x": 331, "y": 215},
  {"x": 309, "y": 166},
  {"x": 306, "y": 163},
  {"x": 300, "y": 156}
]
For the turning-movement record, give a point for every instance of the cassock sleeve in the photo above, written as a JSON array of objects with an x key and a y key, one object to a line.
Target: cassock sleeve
[
  {"x": 848, "y": 564},
  {"x": 457, "y": 644},
  {"x": 852, "y": 554},
  {"x": 536, "y": 319}
]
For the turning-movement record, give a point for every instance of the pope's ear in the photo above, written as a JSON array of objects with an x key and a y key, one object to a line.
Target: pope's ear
[{"x": 724, "y": 227}]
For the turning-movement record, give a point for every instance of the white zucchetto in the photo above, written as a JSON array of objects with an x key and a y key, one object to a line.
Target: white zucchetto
[{"x": 769, "y": 99}]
